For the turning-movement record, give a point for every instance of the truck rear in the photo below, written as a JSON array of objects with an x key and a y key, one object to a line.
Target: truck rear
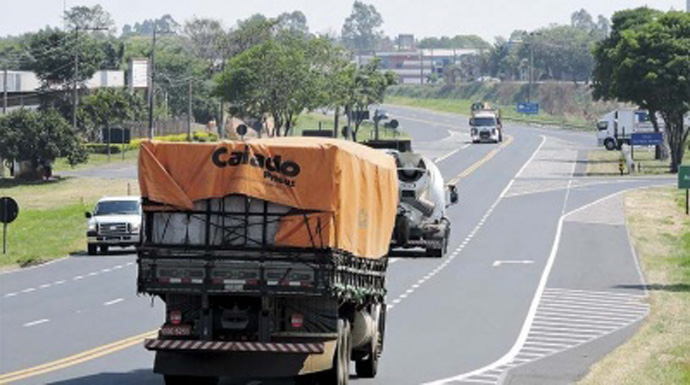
[{"x": 269, "y": 256}]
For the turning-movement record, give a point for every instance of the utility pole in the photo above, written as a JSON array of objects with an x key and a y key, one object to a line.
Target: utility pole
[
  {"x": 421, "y": 66},
  {"x": 531, "y": 71},
  {"x": 221, "y": 122},
  {"x": 189, "y": 112},
  {"x": 75, "y": 81},
  {"x": 4, "y": 92},
  {"x": 153, "y": 82}
]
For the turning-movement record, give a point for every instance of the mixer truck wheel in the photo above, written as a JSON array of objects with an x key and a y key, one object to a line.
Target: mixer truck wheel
[
  {"x": 369, "y": 366},
  {"x": 185, "y": 380},
  {"x": 339, "y": 374}
]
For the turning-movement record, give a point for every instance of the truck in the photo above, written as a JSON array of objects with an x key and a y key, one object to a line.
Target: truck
[
  {"x": 421, "y": 220},
  {"x": 485, "y": 123},
  {"x": 270, "y": 256},
  {"x": 614, "y": 128},
  {"x": 114, "y": 222}
]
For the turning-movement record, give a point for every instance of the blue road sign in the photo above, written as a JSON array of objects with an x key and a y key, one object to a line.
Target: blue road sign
[
  {"x": 647, "y": 138},
  {"x": 528, "y": 108}
]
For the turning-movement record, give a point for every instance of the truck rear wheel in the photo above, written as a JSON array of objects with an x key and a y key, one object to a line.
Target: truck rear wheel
[
  {"x": 610, "y": 144},
  {"x": 369, "y": 365},
  {"x": 339, "y": 374},
  {"x": 189, "y": 380},
  {"x": 104, "y": 249},
  {"x": 92, "y": 249}
]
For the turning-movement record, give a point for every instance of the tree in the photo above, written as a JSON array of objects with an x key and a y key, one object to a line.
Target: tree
[
  {"x": 273, "y": 78},
  {"x": 108, "y": 107},
  {"x": 365, "y": 87},
  {"x": 166, "y": 23},
  {"x": 582, "y": 20},
  {"x": 207, "y": 39},
  {"x": 293, "y": 22},
  {"x": 646, "y": 61},
  {"x": 456, "y": 42},
  {"x": 361, "y": 31},
  {"x": 251, "y": 32},
  {"x": 51, "y": 56},
  {"x": 82, "y": 17},
  {"x": 37, "y": 137}
]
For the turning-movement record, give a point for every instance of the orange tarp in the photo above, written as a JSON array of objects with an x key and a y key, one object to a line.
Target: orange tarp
[{"x": 354, "y": 187}]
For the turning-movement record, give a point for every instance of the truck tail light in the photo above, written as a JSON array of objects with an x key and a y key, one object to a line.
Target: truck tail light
[
  {"x": 296, "y": 320},
  {"x": 176, "y": 317}
]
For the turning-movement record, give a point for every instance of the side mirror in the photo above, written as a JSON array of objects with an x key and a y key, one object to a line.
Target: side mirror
[
  {"x": 471, "y": 121},
  {"x": 87, "y": 214},
  {"x": 454, "y": 196}
]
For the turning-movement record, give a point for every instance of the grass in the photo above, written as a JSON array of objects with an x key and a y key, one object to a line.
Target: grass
[
  {"x": 462, "y": 106},
  {"x": 605, "y": 163},
  {"x": 660, "y": 351},
  {"x": 51, "y": 221},
  {"x": 96, "y": 160}
]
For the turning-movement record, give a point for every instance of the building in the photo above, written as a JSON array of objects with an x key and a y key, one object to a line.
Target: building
[{"x": 415, "y": 67}]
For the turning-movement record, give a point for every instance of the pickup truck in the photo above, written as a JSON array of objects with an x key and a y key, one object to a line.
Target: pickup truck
[{"x": 115, "y": 221}]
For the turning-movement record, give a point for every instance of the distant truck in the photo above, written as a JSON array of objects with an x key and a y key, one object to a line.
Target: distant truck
[
  {"x": 270, "y": 256},
  {"x": 485, "y": 123},
  {"x": 114, "y": 222},
  {"x": 615, "y": 128}
]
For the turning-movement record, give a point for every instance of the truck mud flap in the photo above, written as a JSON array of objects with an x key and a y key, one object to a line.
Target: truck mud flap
[{"x": 223, "y": 346}]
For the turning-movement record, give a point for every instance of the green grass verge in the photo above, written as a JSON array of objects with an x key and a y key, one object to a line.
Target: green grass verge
[
  {"x": 95, "y": 160},
  {"x": 605, "y": 163},
  {"x": 659, "y": 353},
  {"x": 310, "y": 121},
  {"x": 462, "y": 107},
  {"x": 42, "y": 235}
]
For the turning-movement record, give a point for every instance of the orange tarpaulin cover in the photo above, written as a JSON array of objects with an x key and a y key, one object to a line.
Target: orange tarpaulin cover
[{"x": 354, "y": 187}]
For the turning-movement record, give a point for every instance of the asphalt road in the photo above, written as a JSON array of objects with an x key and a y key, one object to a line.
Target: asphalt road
[{"x": 540, "y": 282}]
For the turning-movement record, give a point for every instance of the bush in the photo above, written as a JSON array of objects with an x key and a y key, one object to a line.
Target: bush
[
  {"x": 102, "y": 148},
  {"x": 197, "y": 136}
]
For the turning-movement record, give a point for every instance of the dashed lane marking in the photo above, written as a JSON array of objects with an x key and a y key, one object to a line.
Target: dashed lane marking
[
  {"x": 37, "y": 322},
  {"x": 113, "y": 302}
]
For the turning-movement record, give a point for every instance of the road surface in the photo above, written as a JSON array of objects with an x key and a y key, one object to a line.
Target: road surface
[{"x": 540, "y": 282}]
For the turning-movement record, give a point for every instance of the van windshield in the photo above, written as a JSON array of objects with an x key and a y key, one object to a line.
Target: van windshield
[
  {"x": 117, "y": 207},
  {"x": 484, "y": 122}
]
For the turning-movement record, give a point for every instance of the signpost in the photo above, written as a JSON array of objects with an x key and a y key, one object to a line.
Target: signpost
[
  {"x": 8, "y": 213},
  {"x": 684, "y": 183},
  {"x": 528, "y": 108},
  {"x": 645, "y": 139}
]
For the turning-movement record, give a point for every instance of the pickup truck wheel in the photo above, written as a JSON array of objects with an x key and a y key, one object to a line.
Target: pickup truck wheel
[
  {"x": 92, "y": 249},
  {"x": 187, "y": 380},
  {"x": 339, "y": 374},
  {"x": 610, "y": 144},
  {"x": 104, "y": 249}
]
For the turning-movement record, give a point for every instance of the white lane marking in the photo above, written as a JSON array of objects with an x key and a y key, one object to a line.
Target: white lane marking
[
  {"x": 60, "y": 282},
  {"x": 29, "y": 290},
  {"x": 524, "y": 166},
  {"x": 106, "y": 270},
  {"x": 448, "y": 155},
  {"x": 499, "y": 263},
  {"x": 34, "y": 323},
  {"x": 113, "y": 302},
  {"x": 77, "y": 278},
  {"x": 44, "y": 286},
  {"x": 532, "y": 312},
  {"x": 93, "y": 273},
  {"x": 393, "y": 260},
  {"x": 9, "y": 295}
]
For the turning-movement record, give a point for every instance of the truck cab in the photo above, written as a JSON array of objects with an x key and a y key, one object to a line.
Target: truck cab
[
  {"x": 616, "y": 127},
  {"x": 115, "y": 221},
  {"x": 485, "y": 126}
]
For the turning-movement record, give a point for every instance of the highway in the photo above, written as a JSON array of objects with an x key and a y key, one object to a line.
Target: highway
[{"x": 540, "y": 282}]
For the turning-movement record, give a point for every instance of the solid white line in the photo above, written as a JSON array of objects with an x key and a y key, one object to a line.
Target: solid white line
[
  {"x": 636, "y": 259},
  {"x": 543, "y": 140},
  {"x": 536, "y": 350},
  {"x": 537, "y": 344},
  {"x": 594, "y": 309},
  {"x": 586, "y": 321},
  {"x": 448, "y": 155},
  {"x": 556, "y": 339},
  {"x": 480, "y": 381},
  {"x": 532, "y": 312},
  {"x": 555, "y": 334},
  {"x": 588, "y": 293},
  {"x": 573, "y": 324},
  {"x": 34, "y": 323},
  {"x": 576, "y": 315},
  {"x": 567, "y": 329},
  {"x": 552, "y": 298},
  {"x": 113, "y": 302}
]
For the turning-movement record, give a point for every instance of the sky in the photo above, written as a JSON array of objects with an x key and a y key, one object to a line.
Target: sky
[{"x": 486, "y": 18}]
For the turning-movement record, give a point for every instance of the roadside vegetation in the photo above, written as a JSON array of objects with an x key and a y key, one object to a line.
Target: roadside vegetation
[
  {"x": 660, "y": 351},
  {"x": 605, "y": 163},
  {"x": 51, "y": 221}
]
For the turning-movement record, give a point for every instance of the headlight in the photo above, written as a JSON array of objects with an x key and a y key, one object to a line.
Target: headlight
[
  {"x": 92, "y": 226},
  {"x": 135, "y": 227},
  {"x": 474, "y": 131}
]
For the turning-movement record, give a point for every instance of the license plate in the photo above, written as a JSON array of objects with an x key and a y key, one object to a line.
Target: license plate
[{"x": 176, "y": 330}]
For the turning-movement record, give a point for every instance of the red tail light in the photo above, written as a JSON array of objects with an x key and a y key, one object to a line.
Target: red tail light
[
  {"x": 296, "y": 320},
  {"x": 176, "y": 317}
]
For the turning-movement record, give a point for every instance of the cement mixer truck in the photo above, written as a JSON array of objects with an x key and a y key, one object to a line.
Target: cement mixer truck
[
  {"x": 269, "y": 255},
  {"x": 421, "y": 222}
]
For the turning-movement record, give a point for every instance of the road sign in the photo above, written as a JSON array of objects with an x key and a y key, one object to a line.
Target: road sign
[
  {"x": 684, "y": 177},
  {"x": 646, "y": 138},
  {"x": 528, "y": 108},
  {"x": 116, "y": 135},
  {"x": 8, "y": 213},
  {"x": 8, "y": 210}
]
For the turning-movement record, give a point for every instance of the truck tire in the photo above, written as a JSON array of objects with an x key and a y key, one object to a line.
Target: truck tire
[
  {"x": 402, "y": 230},
  {"x": 104, "y": 249},
  {"x": 369, "y": 365},
  {"x": 189, "y": 380},
  {"x": 339, "y": 374},
  {"x": 610, "y": 144},
  {"x": 92, "y": 249}
]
